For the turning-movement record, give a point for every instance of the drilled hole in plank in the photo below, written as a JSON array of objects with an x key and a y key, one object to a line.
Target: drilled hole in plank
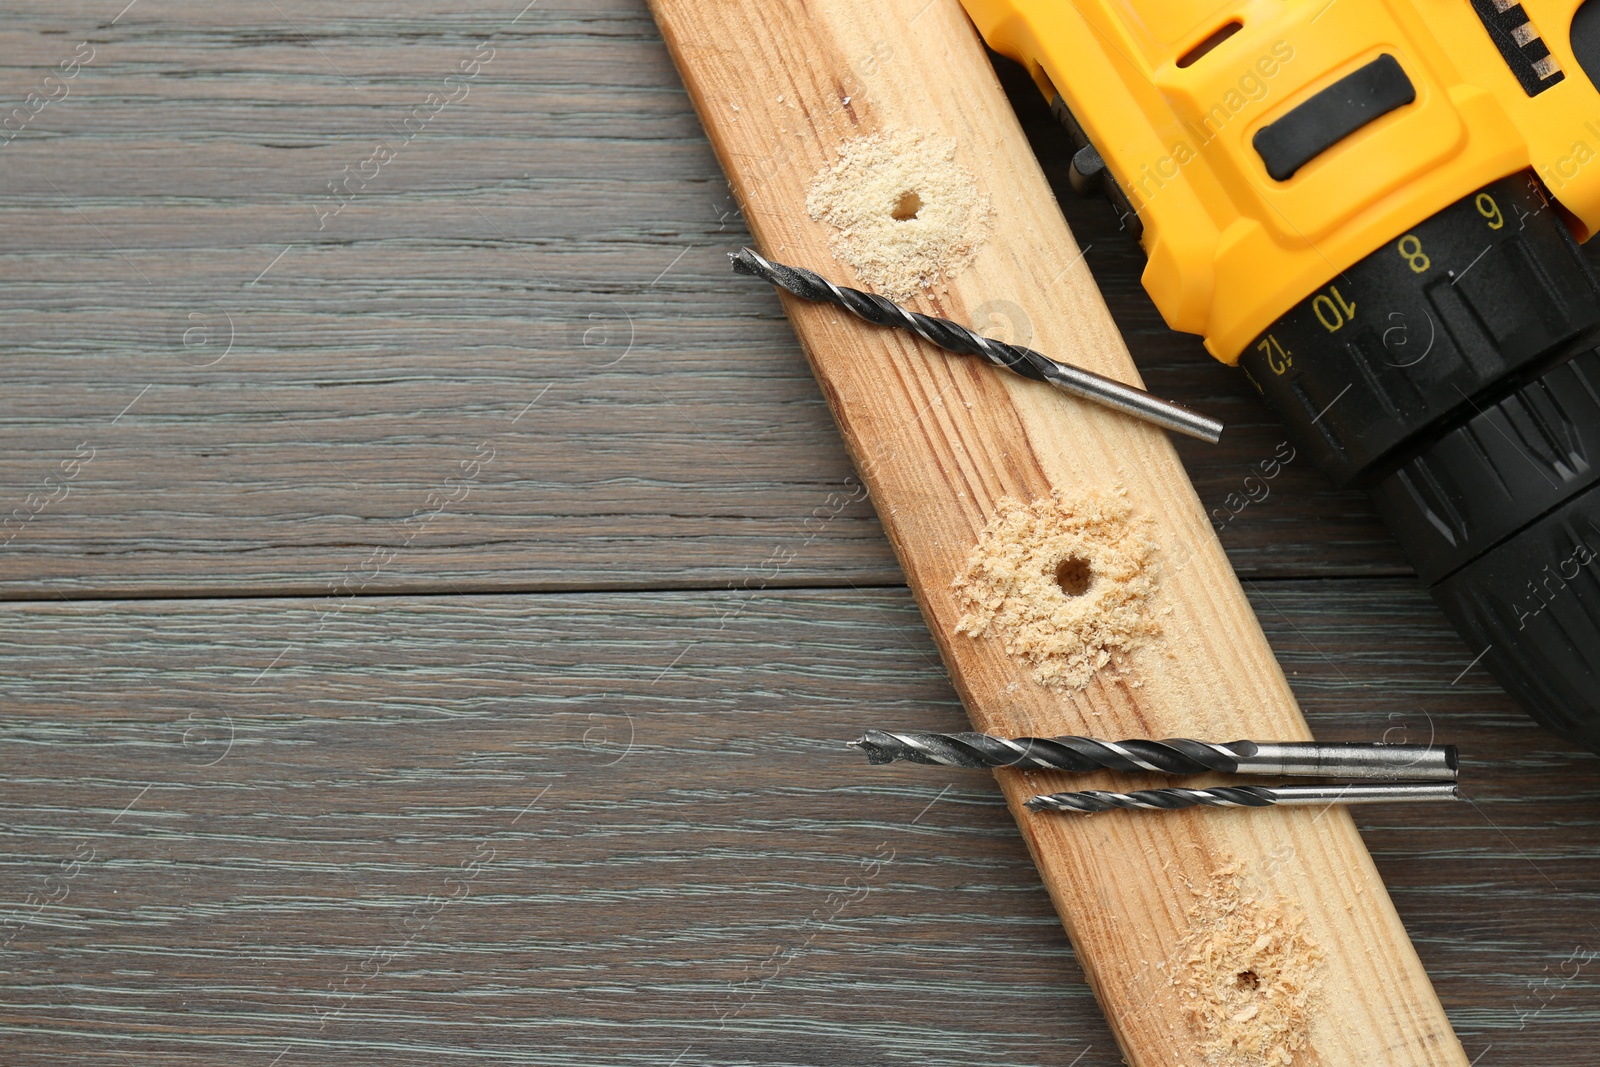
[
  {"x": 907, "y": 206},
  {"x": 1074, "y": 576}
]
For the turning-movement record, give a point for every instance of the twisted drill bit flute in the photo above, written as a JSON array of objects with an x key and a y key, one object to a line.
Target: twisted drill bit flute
[
  {"x": 953, "y": 337},
  {"x": 1178, "y": 755},
  {"x": 1246, "y": 796}
]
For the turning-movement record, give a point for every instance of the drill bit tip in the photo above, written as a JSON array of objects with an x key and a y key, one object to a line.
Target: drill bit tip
[{"x": 875, "y": 753}]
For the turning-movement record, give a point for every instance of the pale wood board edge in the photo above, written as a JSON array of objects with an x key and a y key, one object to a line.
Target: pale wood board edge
[{"x": 939, "y": 440}]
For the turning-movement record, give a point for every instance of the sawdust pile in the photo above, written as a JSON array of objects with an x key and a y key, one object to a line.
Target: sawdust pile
[
  {"x": 1248, "y": 976},
  {"x": 1064, "y": 582},
  {"x": 905, "y": 214}
]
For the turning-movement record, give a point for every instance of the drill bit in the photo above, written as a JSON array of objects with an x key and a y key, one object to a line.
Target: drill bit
[
  {"x": 954, "y": 337},
  {"x": 1246, "y": 796},
  {"x": 1178, "y": 755}
]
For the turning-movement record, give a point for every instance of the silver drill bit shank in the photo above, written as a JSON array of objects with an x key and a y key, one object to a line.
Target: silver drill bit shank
[
  {"x": 954, "y": 337},
  {"x": 1247, "y": 796},
  {"x": 1178, "y": 755}
]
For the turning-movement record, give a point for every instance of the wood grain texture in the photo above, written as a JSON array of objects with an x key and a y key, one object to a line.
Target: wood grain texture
[
  {"x": 695, "y": 874},
  {"x": 557, "y": 233},
  {"x": 940, "y": 440},
  {"x": 378, "y": 741}
]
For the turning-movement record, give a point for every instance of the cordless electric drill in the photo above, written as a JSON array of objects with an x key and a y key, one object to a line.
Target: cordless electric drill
[{"x": 1373, "y": 209}]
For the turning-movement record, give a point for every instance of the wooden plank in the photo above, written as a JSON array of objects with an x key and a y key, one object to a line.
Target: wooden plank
[
  {"x": 940, "y": 440},
  {"x": 567, "y": 206},
  {"x": 661, "y": 896}
]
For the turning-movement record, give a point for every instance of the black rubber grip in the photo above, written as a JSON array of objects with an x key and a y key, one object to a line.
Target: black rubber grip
[
  {"x": 1329, "y": 117},
  {"x": 1530, "y": 608},
  {"x": 1514, "y": 460}
]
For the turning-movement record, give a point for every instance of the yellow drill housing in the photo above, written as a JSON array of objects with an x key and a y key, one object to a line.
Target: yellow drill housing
[{"x": 1173, "y": 93}]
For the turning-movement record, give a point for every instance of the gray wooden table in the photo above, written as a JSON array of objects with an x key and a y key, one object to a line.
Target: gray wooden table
[{"x": 395, "y": 668}]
